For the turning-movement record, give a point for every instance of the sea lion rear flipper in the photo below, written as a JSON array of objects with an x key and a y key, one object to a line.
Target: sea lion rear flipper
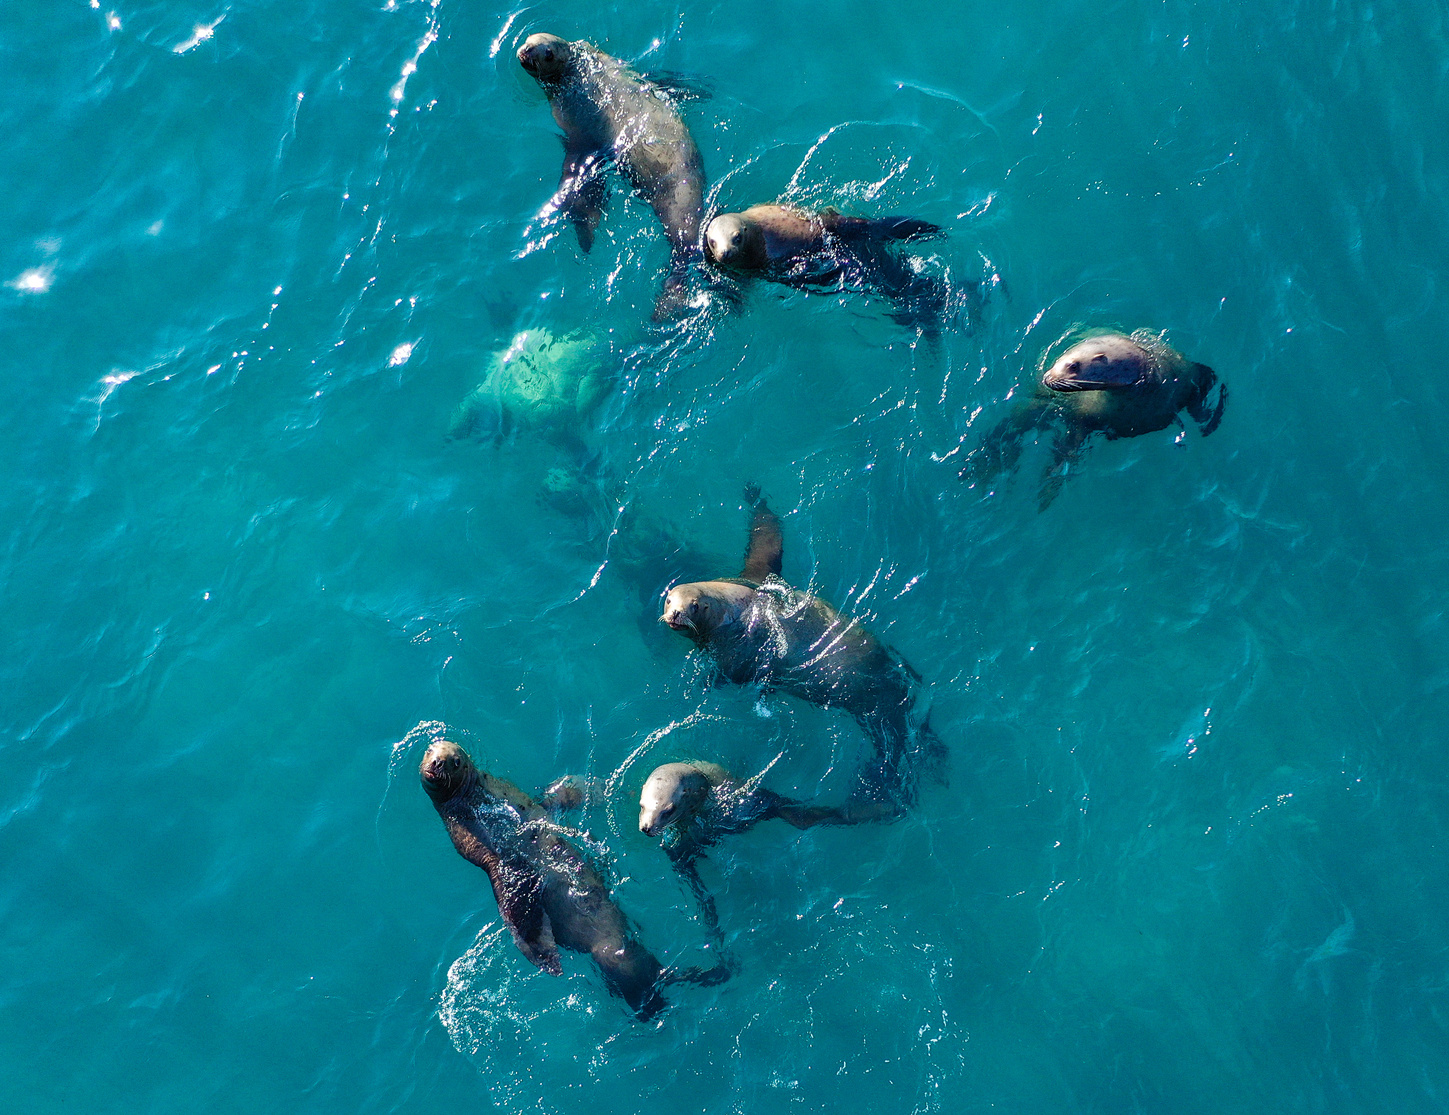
[
  {"x": 765, "y": 554},
  {"x": 519, "y": 892},
  {"x": 1206, "y": 419}
]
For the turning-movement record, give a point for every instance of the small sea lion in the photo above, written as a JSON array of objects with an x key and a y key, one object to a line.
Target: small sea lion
[
  {"x": 693, "y": 804},
  {"x": 548, "y": 893},
  {"x": 610, "y": 114},
  {"x": 823, "y": 248},
  {"x": 761, "y": 631},
  {"x": 1108, "y": 383}
]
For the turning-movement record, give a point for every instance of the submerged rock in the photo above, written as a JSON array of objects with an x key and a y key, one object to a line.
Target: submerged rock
[{"x": 540, "y": 383}]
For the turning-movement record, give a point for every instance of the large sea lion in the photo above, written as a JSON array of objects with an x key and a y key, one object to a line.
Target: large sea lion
[
  {"x": 761, "y": 631},
  {"x": 824, "y": 249},
  {"x": 692, "y": 805},
  {"x": 1108, "y": 383},
  {"x": 610, "y": 114},
  {"x": 548, "y": 894}
]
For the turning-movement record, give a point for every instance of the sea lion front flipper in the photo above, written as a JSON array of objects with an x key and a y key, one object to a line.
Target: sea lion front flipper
[
  {"x": 1208, "y": 420},
  {"x": 679, "y": 87},
  {"x": 880, "y": 229},
  {"x": 765, "y": 554},
  {"x": 582, "y": 190},
  {"x": 683, "y": 855},
  {"x": 1066, "y": 449},
  {"x": 1001, "y": 448},
  {"x": 519, "y": 892},
  {"x": 566, "y": 794}
]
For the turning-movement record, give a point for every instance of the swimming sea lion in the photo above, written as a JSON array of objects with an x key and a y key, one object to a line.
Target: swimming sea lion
[
  {"x": 548, "y": 894},
  {"x": 826, "y": 249},
  {"x": 693, "y": 804},
  {"x": 1108, "y": 383},
  {"x": 610, "y": 114},
  {"x": 761, "y": 631}
]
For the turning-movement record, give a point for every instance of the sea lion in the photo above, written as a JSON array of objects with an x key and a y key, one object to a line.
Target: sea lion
[
  {"x": 610, "y": 114},
  {"x": 548, "y": 894},
  {"x": 761, "y": 631},
  {"x": 823, "y": 248},
  {"x": 693, "y": 804},
  {"x": 1108, "y": 383}
]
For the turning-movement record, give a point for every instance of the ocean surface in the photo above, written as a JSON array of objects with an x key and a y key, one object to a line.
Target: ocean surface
[{"x": 1190, "y": 857}]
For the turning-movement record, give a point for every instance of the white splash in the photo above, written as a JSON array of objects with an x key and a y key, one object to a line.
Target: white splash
[
  {"x": 400, "y": 355},
  {"x": 199, "y": 34},
  {"x": 35, "y": 281}
]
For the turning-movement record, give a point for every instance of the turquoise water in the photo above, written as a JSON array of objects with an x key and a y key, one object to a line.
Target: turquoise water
[{"x": 1191, "y": 856}]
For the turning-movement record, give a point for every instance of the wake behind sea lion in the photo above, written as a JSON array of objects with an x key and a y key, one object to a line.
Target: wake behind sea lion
[
  {"x": 1108, "y": 383},
  {"x": 823, "y": 249},
  {"x": 611, "y": 115},
  {"x": 548, "y": 893},
  {"x": 761, "y": 631}
]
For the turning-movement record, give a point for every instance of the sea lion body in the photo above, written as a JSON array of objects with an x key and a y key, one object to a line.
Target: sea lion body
[
  {"x": 1108, "y": 383},
  {"x": 826, "y": 249},
  {"x": 548, "y": 893},
  {"x": 609, "y": 114},
  {"x": 1122, "y": 386},
  {"x": 692, "y": 805},
  {"x": 759, "y": 630},
  {"x": 701, "y": 802}
]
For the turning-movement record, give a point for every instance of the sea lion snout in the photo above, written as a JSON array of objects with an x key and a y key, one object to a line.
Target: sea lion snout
[
  {"x": 683, "y": 610},
  {"x": 724, "y": 238},
  {"x": 671, "y": 792},
  {"x": 542, "y": 55},
  {"x": 444, "y": 768}
]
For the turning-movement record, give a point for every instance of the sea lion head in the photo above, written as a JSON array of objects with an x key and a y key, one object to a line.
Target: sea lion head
[
  {"x": 698, "y": 609},
  {"x": 672, "y": 794},
  {"x": 733, "y": 240},
  {"x": 446, "y": 770},
  {"x": 546, "y": 57},
  {"x": 1100, "y": 363}
]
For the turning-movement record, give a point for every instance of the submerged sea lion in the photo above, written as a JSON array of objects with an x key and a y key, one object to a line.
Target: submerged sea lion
[
  {"x": 761, "y": 631},
  {"x": 1108, "y": 383},
  {"x": 610, "y": 114},
  {"x": 825, "y": 249},
  {"x": 548, "y": 894},
  {"x": 693, "y": 804}
]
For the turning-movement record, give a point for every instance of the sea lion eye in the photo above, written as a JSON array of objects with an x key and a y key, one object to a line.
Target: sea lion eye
[{"x": 1074, "y": 366}]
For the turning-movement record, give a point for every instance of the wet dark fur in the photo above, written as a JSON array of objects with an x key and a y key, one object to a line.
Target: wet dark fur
[
  {"x": 782, "y": 638},
  {"x": 612, "y": 116},
  {"x": 826, "y": 250}
]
